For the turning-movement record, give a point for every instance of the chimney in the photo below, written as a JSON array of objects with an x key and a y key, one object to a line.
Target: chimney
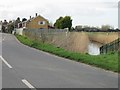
[{"x": 36, "y": 14}]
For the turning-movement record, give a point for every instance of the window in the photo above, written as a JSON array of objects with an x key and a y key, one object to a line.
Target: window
[{"x": 41, "y": 22}]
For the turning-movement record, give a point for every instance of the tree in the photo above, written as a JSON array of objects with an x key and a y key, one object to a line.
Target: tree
[
  {"x": 4, "y": 26},
  {"x": 63, "y": 22},
  {"x": 79, "y": 28},
  {"x": 10, "y": 27},
  {"x": 66, "y": 22},
  {"x": 24, "y": 19},
  {"x": 106, "y": 27},
  {"x": 3, "y": 29},
  {"x": 16, "y": 22},
  {"x": 58, "y": 23}
]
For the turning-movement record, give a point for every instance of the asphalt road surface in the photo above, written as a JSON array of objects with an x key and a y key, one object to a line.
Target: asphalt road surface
[
  {"x": 25, "y": 67},
  {"x": 0, "y": 61}
]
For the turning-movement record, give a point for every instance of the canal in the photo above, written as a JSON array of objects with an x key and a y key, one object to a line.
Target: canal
[{"x": 94, "y": 48}]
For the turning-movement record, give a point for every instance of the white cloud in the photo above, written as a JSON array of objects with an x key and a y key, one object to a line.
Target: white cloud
[{"x": 52, "y": 9}]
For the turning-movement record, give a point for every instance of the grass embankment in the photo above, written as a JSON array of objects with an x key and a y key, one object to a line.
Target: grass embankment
[{"x": 108, "y": 61}]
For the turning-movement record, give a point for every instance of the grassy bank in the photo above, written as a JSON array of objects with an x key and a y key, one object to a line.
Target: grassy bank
[{"x": 108, "y": 62}]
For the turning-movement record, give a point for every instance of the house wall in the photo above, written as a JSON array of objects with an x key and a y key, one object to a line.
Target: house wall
[{"x": 35, "y": 25}]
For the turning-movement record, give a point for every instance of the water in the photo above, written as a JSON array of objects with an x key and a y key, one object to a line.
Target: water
[{"x": 93, "y": 49}]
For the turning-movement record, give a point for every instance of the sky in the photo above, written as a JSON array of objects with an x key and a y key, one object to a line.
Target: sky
[{"x": 82, "y": 12}]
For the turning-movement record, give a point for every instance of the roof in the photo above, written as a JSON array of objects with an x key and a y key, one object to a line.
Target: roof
[
  {"x": 33, "y": 19},
  {"x": 36, "y": 17}
]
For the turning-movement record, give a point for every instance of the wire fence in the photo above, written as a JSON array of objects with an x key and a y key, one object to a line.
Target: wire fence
[{"x": 110, "y": 47}]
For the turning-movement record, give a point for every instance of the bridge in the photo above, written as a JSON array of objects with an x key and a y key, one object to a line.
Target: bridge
[{"x": 110, "y": 47}]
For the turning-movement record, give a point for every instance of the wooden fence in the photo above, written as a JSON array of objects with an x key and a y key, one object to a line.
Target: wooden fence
[{"x": 113, "y": 46}]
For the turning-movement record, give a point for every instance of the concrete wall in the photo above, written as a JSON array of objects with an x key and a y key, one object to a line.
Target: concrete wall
[{"x": 72, "y": 41}]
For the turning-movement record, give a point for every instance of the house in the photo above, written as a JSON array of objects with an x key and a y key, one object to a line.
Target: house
[
  {"x": 38, "y": 22},
  {"x": 4, "y": 26}
]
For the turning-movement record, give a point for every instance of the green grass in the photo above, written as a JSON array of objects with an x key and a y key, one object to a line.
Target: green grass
[{"x": 107, "y": 61}]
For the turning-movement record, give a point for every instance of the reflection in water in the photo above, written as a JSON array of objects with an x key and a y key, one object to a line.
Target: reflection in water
[{"x": 93, "y": 49}]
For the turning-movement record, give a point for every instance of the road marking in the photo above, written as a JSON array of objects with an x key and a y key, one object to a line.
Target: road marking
[
  {"x": 28, "y": 84},
  {"x": 5, "y": 62}
]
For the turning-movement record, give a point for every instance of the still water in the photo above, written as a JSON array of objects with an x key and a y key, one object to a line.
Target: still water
[{"x": 94, "y": 48}]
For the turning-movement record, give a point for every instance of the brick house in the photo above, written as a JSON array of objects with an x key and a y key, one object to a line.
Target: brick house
[{"x": 38, "y": 22}]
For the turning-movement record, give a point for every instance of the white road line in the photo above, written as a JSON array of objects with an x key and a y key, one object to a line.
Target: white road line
[
  {"x": 28, "y": 84},
  {"x": 5, "y": 62}
]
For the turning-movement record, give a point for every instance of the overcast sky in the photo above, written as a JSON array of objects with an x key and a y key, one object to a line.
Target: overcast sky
[{"x": 83, "y": 12}]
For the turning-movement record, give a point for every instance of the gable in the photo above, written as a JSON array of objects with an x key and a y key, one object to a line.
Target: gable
[
  {"x": 39, "y": 18},
  {"x": 37, "y": 22}
]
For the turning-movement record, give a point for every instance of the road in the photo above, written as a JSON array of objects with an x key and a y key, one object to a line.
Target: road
[
  {"x": 0, "y": 62},
  {"x": 25, "y": 67}
]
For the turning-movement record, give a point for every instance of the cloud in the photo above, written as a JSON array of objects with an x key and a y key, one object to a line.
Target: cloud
[{"x": 11, "y": 9}]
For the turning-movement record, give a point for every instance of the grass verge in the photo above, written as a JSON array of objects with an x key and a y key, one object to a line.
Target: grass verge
[{"x": 107, "y": 61}]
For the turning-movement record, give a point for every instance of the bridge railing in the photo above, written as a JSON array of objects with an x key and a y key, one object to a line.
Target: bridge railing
[{"x": 113, "y": 46}]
